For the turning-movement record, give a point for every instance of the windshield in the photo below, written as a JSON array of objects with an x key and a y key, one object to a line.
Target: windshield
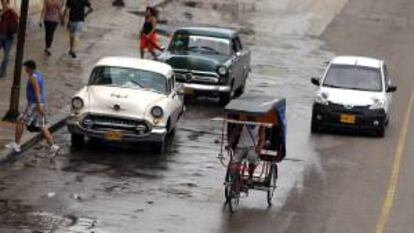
[
  {"x": 130, "y": 78},
  {"x": 353, "y": 77},
  {"x": 201, "y": 44}
]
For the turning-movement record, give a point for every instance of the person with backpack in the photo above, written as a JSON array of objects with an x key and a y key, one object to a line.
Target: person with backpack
[
  {"x": 9, "y": 21},
  {"x": 35, "y": 115}
]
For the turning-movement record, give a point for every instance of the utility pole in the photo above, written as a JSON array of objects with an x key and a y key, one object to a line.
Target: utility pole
[{"x": 13, "y": 112}]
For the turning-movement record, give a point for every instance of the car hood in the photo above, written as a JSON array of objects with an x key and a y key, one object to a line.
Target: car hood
[
  {"x": 195, "y": 61},
  {"x": 351, "y": 97},
  {"x": 132, "y": 102}
]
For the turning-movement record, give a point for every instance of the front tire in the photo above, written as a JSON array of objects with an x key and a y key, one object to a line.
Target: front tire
[
  {"x": 380, "y": 132},
  {"x": 158, "y": 148},
  {"x": 224, "y": 99},
  {"x": 239, "y": 92},
  {"x": 188, "y": 99},
  {"x": 315, "y": 128}
]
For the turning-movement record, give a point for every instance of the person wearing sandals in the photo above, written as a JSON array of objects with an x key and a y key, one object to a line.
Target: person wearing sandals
[
  {"x": 35, "y": 114},
  {"x": 51, "y": 16}
]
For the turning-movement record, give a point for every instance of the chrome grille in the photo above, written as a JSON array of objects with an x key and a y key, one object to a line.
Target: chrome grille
[
  {"x": 107, "y": 123},
  {"x": 196, "y": 76}
]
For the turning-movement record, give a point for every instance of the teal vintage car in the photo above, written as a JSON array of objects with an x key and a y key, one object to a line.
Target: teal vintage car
[{"x": 209, "y": 61}]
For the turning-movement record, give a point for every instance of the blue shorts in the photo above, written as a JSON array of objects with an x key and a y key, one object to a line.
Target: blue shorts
[{"x": 75, "y": 28}]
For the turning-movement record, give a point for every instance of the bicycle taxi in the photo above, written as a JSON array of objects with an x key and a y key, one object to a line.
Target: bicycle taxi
[{"x": 266, "y": 116}]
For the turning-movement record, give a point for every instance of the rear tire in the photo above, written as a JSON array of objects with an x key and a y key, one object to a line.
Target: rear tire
[
  {"x": 272, "y": 184},
  {"x": 77, "y": 140},
  {"x": 234, "y": 192}
]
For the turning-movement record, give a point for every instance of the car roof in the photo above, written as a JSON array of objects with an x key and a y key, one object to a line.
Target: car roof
[
  {"x": 209, "y": 31},
  {"x": 358, "y": 61},
  {"x": 136, "y": 63}
]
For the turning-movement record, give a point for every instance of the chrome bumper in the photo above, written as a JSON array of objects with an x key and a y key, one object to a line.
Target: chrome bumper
[
  {"x": 156, "y": 134},
  {"x": 206, "y": 87}
]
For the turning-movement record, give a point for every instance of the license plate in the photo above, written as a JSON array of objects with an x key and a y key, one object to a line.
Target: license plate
[
  {"x": 347, "y": 119},
  {"x": 114, "y": 136}
]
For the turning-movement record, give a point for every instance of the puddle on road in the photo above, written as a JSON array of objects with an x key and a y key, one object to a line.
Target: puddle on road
[{"x": 14, "y": 214}]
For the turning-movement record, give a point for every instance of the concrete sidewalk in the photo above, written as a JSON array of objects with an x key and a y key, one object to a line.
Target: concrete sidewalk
[{"x": 108, "y": 31}]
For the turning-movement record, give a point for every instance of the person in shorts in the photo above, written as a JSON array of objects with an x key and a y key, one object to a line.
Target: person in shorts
[
  {"x": 247, "y": 143},
  {"x": 35, "y": 114},
  {"x": 77, "y": 14}
]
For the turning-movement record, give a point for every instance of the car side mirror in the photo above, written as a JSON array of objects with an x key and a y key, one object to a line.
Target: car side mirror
[
  {"x": 392, "y": 89},
  {"x": 316, "y": 81}
]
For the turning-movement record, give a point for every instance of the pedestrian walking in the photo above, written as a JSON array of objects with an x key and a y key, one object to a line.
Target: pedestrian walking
[
  {"x": 78, "y": 11},
  {"x": 9, "y": 21},
  {"x": 148, "y": 36},
  {"x": 35, "y": 115},
  {"x": 51, "y": 15}
]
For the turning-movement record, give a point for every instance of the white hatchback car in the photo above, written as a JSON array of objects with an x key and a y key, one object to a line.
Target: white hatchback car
[
  {"x": 354, "y": 93},
  {"x": 127, "y": 99}
]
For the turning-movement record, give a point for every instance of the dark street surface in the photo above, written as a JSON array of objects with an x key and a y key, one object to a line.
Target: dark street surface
[{"x": 328, "y": 183}]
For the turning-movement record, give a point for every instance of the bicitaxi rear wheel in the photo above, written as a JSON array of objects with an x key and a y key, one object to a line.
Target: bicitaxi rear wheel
[
  {"x": 233, "y": 191},
  {"x": 272, "y": 184}
]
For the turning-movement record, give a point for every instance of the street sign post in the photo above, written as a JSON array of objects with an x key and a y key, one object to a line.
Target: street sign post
[{"x": 13, "y": 112}]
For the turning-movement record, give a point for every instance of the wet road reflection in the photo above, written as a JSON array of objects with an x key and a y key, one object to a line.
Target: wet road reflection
[{"x": 124, "y": 187}]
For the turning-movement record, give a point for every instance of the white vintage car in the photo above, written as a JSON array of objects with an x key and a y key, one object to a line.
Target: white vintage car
[{"x": 127, "y": 99}]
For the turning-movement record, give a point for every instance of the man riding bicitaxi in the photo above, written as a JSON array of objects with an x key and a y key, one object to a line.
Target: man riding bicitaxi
[{"x": 247, "y": 141}]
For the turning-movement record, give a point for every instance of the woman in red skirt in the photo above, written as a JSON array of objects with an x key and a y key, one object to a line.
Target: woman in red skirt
[{"x": 148, "y": 37}]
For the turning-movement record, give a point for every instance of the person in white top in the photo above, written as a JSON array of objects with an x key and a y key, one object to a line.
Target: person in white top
[{"x": 247, "y": 143}]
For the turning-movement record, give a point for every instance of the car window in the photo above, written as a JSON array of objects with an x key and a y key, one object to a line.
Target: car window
[
  {"x": 200, "y": 44},
  {"x": 131, "y": 78},
  {"x": 353, "y": 77}
]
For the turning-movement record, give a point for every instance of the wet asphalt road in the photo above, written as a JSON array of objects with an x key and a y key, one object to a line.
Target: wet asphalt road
[{"x": 328, "y": 183}]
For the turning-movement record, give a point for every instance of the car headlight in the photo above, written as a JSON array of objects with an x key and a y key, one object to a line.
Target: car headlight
[
  {"x": 378, "y": 104},
  {"x": 77, "y": 103},
  {"x": 157, "y": 112},
  {"x": 222, "y": 70},
  {"x": 322, "y": 98}
]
